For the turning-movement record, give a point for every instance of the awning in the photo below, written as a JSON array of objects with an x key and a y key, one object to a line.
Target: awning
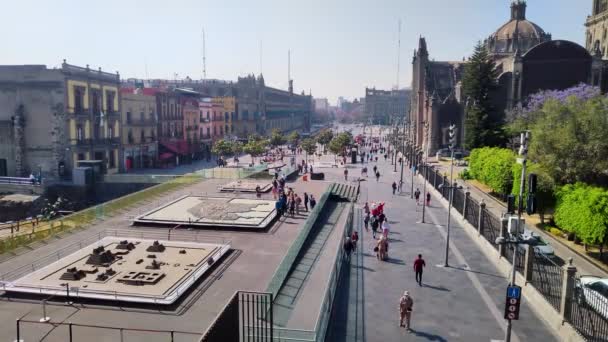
[
  {"x": 165, "y": 156},
  {"x": 179, "y": 147}
]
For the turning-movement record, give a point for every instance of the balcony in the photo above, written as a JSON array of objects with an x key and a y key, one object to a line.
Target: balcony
[{"x": 139, "y": 123}]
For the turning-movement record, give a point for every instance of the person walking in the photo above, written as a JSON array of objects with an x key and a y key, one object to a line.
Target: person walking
[
  {"x": 313, "y": 202},
  {"x": 306, "y": 201},
  {"x": 419, "y": 265},
  {"x": 394, "y": 187},
  {"x": 366, "y": 208},
  {"x": 354, "y": 238},
  {"x": 377, "y": 176},
  {"x": 348, "y": 246},
  {"x": 375, "y": 169},
  {"x": 346, "y": 174},
  {"x": 406, "y": 304},
  {"x": 385, "y": 228},
  {"x": 366, "y": 222},
  {"x": 298, "y": 201},
  {"x": 381, "y": 249},
  {"x": 375, "y": 224},
  {"x": 428, "y": 199},
  {"x": 417, "y": 196}
]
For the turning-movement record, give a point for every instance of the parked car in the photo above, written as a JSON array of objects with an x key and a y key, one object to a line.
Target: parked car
[
  {"x": 539, "y": 244},
  {"x": 592, "y": 291}
]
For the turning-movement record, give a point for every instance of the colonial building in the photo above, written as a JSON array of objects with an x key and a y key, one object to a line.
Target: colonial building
[
  {"x": 52, "y": 118},
  {"x": 139, "y": 125},
  {"x": 527, "y": 61},
  {"x": 258, "y": 108},
  {"x": 597, "y": 29},
  {"x": 383, "y": 105}
]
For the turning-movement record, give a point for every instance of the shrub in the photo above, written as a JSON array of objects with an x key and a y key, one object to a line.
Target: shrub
[
  {"x": 583, "y": 210},
  {"x": 493, "y": 167},
  {"x": 465, "y": 174},
  {"x": 555, "y": 232}
]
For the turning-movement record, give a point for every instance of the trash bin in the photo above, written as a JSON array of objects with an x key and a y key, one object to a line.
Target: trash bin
[{"x": 305, "y": 178}]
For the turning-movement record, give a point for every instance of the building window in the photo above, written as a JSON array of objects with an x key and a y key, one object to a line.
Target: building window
[
  {"x": 110, "y": 101},
  {"x": 152, "y": 134},
  {"x": 208, "y": 132},
  {"x": 214, "y": 131},
  {"x": 80, "y": 156},
  {"x": 110, "y": 131},
  {"x": 142, "y": 137},
  {"x": 128, "y": 117},
  {"x": 95, "y": 105},
  {"x": 112, "y": 160},
  {"x": 79, "y": 133},
  {"x": 226, "y": 129},
  {"x": 130, "y": 137},
  {"x": 221, "y": 130},
  {"x": 208, "y": 117},
  {"x": 77, "y": 100},
  {"x": 142, "y": 116},
  {"x": 226, "y": 117},
  {"x": 171, "y": 111}
]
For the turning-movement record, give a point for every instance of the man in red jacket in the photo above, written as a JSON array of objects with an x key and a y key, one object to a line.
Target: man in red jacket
[{"x": 419, "y": 265}]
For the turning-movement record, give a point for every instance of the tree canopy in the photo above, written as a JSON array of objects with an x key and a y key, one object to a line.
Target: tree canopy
[
  {"x": 340, "y": 142},
  {"x": 483, "y": 123},
  {"x": 222, "y": 147},
  {"x": 293, "y": 138},
  {"x": 309, "y": 145},
  {"x": 276, "y": 138},
  {"x": 325, "y": 136}
]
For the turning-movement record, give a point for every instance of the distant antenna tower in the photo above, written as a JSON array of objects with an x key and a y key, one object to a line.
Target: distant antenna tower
[
  {"x": 261, "y": 57},
  {"x": 398, "y": 53},
  {"x": 204, "y": 57},
  {"x": 288, "y": 67}
]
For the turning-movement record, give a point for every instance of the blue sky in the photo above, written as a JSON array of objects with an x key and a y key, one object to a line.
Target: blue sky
[{"x": 338, "y": 46}]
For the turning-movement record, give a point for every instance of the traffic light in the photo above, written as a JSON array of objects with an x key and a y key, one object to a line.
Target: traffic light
[
  {"x": 532, "y": 183},
  {"x": 511, "y": 204},
  {"x": 452, "y": 136},
  {"x": 531, "y": 204}
]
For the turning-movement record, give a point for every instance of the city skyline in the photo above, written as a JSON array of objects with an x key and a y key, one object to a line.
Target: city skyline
[{"x": 337, "y": 48}]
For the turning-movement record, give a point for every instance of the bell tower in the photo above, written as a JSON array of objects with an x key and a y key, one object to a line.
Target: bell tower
[{"x": 518, "y": 10}]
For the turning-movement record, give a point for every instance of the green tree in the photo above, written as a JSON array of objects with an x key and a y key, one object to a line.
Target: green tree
[
  {"x": 583, "y": 210},
  {"x": 276, "y": 138},
  {"x": 309, "y": 146},
  {"x": 569, "y": 140},
  {"x": 222, "y": 147},
  {"x": 237, "y": 147},
  {"x": 255, "y": 148},
  {"x": 293, "y": 138},
  {"x": 324, "y": 137},
  {"x": 483, "y": 123},
  {"x": 339, "y": 143},
  {"x": 545, "y": 187}
]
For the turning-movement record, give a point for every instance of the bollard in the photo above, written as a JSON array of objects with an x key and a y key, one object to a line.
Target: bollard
[
  {"x": 568, "y": 283},
  {"x": 482, "y": 210},
  {"x": 70, "y": 331},
  {"x": 172, "y": 336},
  {"x": 18, "y": 332},
  {"x": 44, "y": 318}
]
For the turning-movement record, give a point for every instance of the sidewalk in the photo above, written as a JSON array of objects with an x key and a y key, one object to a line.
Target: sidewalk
[
  {"x": 585, "y": 264},
  {"x": 464, "y": 302}
]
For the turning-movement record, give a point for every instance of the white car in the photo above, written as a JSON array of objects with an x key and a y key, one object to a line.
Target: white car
[
  {"x": 539, "y": 244},
  {"x": 593, "y": 292}
]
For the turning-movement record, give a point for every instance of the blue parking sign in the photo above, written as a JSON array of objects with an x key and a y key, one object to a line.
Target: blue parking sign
[{"x": 514, "y": 292}]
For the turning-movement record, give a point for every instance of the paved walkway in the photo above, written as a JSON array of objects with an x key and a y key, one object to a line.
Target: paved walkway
[{"x": 464, "y": 302}]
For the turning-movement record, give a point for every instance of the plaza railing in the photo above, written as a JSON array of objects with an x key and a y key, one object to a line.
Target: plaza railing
[{"x": 589, "y": 314}]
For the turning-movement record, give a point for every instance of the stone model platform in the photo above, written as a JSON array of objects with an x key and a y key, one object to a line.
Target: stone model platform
[
  {"x": 246, "y": 186},
  {"x": 133, "y": 270},
  {"x": 213, "y": 212}
]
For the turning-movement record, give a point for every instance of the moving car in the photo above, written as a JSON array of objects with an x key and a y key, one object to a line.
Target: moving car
[
  {"x": 540, "y": 245},
  {"x": 592, "y": 291}
]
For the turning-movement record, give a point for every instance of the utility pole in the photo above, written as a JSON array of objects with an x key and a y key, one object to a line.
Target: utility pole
[
  {"x": 204, "y": 57},
  {"x": 402, "y": 155},
  {"x": 523, "y": 153},
  {"x": 451, "y": 188},
  {"x": 426, "y": 159}
]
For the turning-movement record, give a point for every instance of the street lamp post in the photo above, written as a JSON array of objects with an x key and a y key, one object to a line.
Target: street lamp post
[
  {"x": 452, "y": 186},
  {"x": 523, "y": 152},
  {"x": 402, "y": 156},
  {"x": 425, "y": 163}
]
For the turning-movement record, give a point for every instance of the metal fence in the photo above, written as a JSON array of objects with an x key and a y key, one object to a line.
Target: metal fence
[
  {"x": 29, "y": 330},
  {"x": 472, "y": 214},
  {"x": 547, "y": 278},
  {"x": 458, "y": 200},
  {"x": 492, "y": 227},
  {"x": 589, "y": 313}
]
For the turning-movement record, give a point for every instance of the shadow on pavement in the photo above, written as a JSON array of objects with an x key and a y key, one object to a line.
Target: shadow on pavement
[
  {"x": 438, "y": 288},
  {"x": 478, "y": 272},
  {"x": 428, "y": 336}
]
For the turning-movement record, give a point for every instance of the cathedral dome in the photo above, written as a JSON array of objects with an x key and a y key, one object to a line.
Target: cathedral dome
[{"x": 517, "y": 34}]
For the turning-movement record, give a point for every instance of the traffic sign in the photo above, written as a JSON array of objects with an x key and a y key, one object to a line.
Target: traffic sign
[{"x": 513, "y": 302}]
